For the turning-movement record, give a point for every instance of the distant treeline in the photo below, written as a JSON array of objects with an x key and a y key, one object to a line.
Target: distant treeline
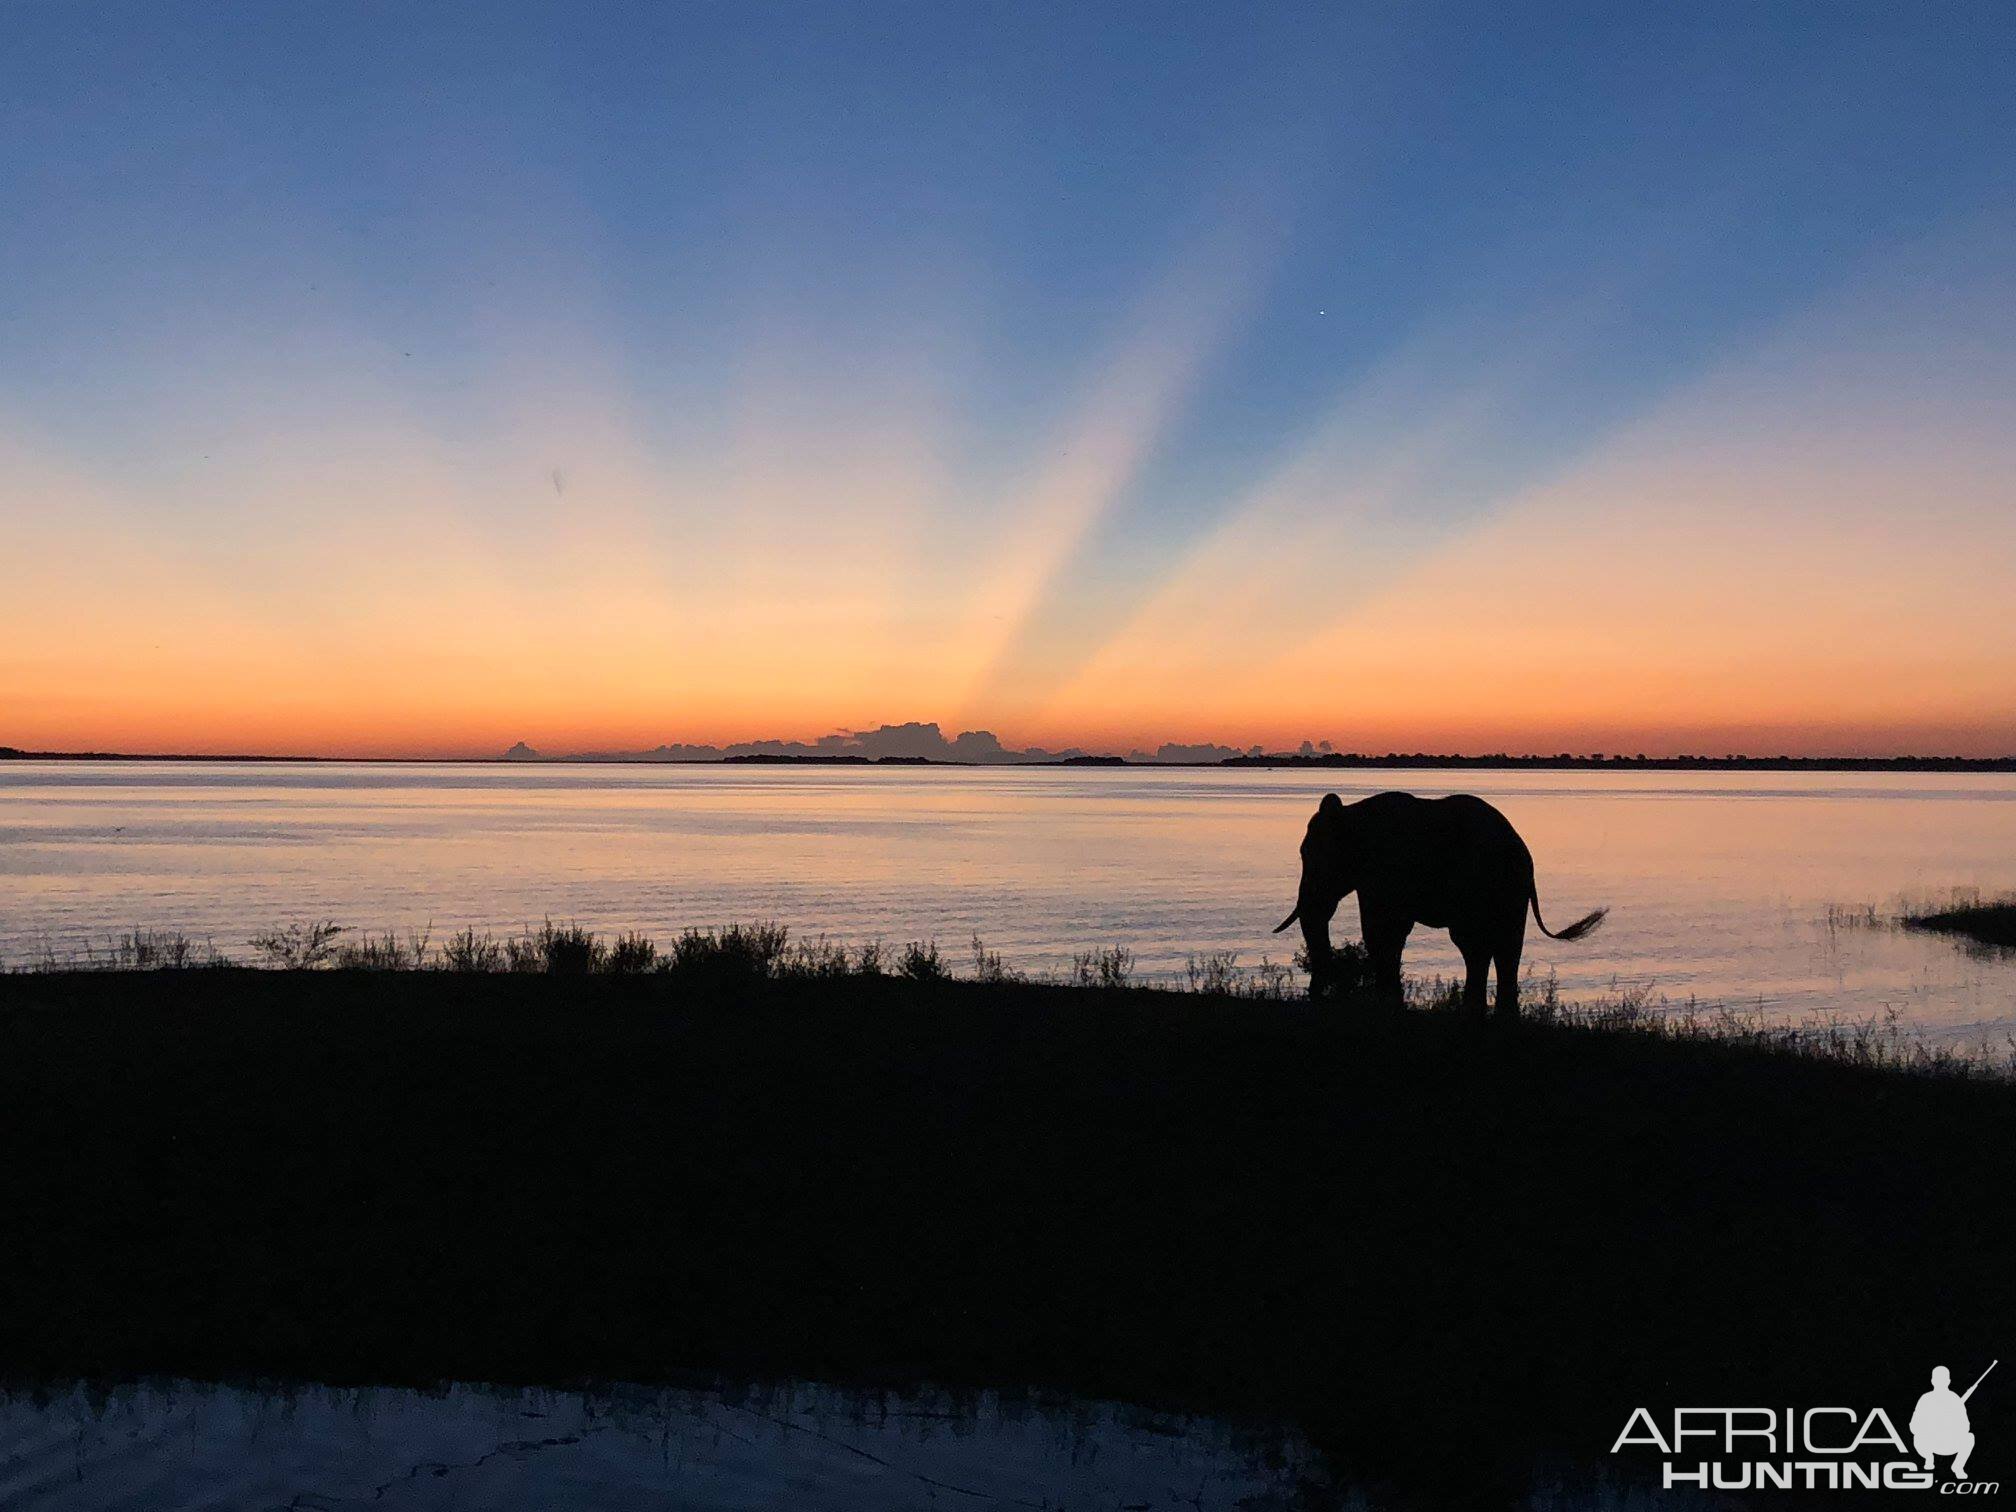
[
  {"x": 1567, "y": 762},
  {"x": 1497, "y": 761}
]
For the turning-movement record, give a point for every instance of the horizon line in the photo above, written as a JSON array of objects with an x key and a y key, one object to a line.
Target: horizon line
[{"x": 1562, "y": 760}]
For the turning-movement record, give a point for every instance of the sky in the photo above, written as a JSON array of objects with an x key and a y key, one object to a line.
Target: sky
[{"x": 380, "y": 379}]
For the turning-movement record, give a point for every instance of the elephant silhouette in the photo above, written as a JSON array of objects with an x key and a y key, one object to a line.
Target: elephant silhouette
[{"x": 1452, "y": 863}]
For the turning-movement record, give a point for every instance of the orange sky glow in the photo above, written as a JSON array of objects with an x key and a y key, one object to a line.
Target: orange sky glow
[{"x": 1808, "y": 550}]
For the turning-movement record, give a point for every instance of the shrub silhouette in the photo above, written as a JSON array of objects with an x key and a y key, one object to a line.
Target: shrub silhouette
[
  {"x": 1351, "y": 971},
  {"x": 920, "y": 962},
  {"x": 568, "y": 949},
  {"x": 632, "y": 953},
  {"x": 740, "y": 952},
  {"x": 816, "y": 960}
]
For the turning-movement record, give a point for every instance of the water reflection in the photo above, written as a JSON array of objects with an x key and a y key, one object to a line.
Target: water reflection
[
  {"x": 167, "y": 1445},
  {"x": 185, "y": 1445},
  {"x": 805, "y": 1448},
  {"x": 1720, "y": 883}
]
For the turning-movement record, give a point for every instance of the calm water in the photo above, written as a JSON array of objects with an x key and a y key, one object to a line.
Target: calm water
[
  {"x": 181, "y": 1445},
  {"x": 1720, "y": 883},
  {"x": 178, "y": 1445}
]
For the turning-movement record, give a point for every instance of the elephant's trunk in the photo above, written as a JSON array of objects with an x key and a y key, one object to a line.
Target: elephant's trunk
[
  {"x": 1316, "y": 934},
  {"x": 1313, "y": 907},
  {"x": 1314, "y": 913}
]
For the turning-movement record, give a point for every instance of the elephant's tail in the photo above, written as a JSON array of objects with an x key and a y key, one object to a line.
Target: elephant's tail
[{"x": 1586, "y": 925}]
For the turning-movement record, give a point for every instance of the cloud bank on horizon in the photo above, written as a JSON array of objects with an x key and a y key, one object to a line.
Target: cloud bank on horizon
[
  {"x": 914, "y": 740},
  {"x": 1104, "y": 377}
]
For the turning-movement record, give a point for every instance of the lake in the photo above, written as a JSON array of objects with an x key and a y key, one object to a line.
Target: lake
[{"x": 1726, "y": 887}]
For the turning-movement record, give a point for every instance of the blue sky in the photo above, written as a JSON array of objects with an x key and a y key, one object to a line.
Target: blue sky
[{"x": 1189, "y": 242}]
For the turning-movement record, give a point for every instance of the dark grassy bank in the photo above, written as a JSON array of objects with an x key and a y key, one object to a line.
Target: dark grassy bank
[
  {"x": 1985, "y": 921},
  {"x": 1441, "y": 1248}
]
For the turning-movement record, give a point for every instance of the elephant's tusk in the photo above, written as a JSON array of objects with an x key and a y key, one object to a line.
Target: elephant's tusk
[{"x": 1289, "y": 920}]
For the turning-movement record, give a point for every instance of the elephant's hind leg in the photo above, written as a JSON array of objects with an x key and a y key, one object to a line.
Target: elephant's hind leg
[
  {"x": 1508, "y": 969},
  {"x": 1476, "y": 971}
]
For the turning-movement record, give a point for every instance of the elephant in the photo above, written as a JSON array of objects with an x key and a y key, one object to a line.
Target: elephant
[{"x": 1451, "y": 863}]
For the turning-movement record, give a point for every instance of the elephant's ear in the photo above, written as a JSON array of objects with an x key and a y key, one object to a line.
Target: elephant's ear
[{"x": 1331, "y": 804}]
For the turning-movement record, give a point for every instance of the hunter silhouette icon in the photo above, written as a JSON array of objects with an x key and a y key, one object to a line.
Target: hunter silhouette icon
[{"x": 1939, "y": 1422}]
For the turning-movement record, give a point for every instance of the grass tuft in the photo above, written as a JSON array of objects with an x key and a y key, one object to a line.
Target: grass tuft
[
  {"x": 469, "y": 951},
  {"x": 299, "y": 946},
  {"x": 1110, "y": 968},
  {"x": 989, "y": 967},
  {"x": 920, "y": 962},
  {"x": 386, "y": 952}
]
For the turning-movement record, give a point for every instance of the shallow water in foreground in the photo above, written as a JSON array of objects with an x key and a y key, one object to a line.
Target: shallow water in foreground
[
  {"x": 185, "y": 1446},
  {"x": 1720, "y": 883},
  {"x": 181, "y": 1445}
]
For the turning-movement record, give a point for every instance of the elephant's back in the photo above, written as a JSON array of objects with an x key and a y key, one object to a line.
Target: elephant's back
[
  {"x": 1469, "y": 809},
  {"x": 1441, "y": 860},
  {"x": 1467, "y": 821},
  {"x": 1460, "y": 828}
]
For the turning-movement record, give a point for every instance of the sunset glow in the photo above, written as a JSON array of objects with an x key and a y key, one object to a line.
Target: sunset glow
[{"x": 746, "y": 376}]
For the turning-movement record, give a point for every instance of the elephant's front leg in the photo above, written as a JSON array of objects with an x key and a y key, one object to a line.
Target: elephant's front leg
[{"x": 1385, "y": 937}]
